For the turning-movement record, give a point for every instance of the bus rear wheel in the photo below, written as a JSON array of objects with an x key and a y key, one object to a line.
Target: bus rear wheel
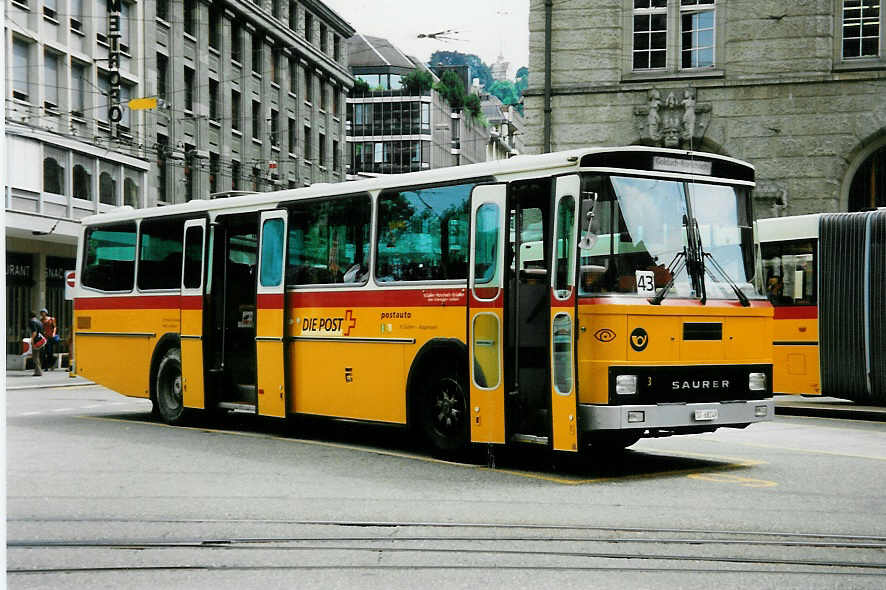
[
  {"x": 168, "y": 388},
  {"x": 444, "y": 413}
]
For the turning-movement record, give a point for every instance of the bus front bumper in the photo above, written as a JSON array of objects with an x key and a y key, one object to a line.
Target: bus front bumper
[{"x": 700, "y": 416}]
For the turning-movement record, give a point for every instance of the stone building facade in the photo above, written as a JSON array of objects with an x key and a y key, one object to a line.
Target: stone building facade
[
  {"x": 795, "y": 88},
  {"x": 253, "y": 94}
]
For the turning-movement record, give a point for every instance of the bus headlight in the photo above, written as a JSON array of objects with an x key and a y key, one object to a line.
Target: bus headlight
[
  {"x": 626, "y": 384},
  {"x": 757, "y": 381},
  {"x": 760, "y": 411},
  {"x": 636, "y": 416}
]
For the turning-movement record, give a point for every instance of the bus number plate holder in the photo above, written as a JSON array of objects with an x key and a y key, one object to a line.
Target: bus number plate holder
[{"x": 702, "y": 415}]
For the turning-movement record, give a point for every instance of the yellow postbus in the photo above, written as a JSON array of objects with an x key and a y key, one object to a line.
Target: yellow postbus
[
  {"x": 590, "y": 297},
  {"x": 826, "y": 276}
]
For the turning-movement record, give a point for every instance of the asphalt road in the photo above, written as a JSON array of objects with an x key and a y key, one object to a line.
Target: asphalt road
[{"x": 102, "y": 496}]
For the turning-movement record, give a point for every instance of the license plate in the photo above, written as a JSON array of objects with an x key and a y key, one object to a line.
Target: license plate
[{"x": 706, "y": 414}]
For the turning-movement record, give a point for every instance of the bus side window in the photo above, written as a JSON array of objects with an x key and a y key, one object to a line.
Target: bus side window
[
  {"x": 789, "y": 268},
  {"x": 329, "y": 241}
]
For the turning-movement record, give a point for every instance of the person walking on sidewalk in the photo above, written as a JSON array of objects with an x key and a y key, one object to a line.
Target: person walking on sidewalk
[
  {"x": 49, "y": 331},
  {"x": 36, "y": 328}
]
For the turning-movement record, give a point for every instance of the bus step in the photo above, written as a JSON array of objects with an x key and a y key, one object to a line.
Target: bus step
[
  {"x": 237, "y": 407},
  {"x": 530, "y": 439}
]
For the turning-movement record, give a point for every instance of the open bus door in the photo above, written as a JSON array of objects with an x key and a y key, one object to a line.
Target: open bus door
[
  {"x": 564, "y": 404},
  {"x": 270, "y": 315},
  {"x": 486, "y": 312},
  {"x": 191, "y": 309}
]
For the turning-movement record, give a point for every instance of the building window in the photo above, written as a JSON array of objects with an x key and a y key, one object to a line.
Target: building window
[
  {"x": 213, "y": 100},
  {"x": 336, "y": 48},
  {"x": 275, "y": 8},
  {"x": 697, "y": 34},
  {"x": 124, "y": 27},
  {"x": 162, "y": 76},
  {"x": 336, "y": 104},
  {"x": 163, "y": 9},
  {"x": 50, "y": 80},
  {"x": 293, "y": 76},
  {"x": 21, "y": 67},
  {"x": 275, "y": 129},
  {"x": 235, "y": 110},
  {"x": 256, "y": 119},
  {"x": 256, "y": 178},
  {"x": 309, "y": 27},
  {"x": 102, "y": 100},
  {"x": 861, "y": 28},
  {"x": 322, "y": 149},
  {"x": 235, "y": 175},
  {"x": 101, "y": 21},
  {"x": 650, "y": 34},
  {"x": 76, "y": 19},
  {"x": 324, "y": 44},
  {"x": 291, "y": 135},
  {"x": 107, "y": 186},
  {"x": 336, "y": 155},
  {"x": 214, "y": 167},
  {"x": 189, "y": 89},
  {"x": 78, "y": 89},
  {"x": 653, "y": 20},
  {"x": 322, "y": 88},
  {"x": 130, "y": 191},
  {"x": 275, "y": 67},
  {"x": 307, "y": 136},
  {"x": 309, "y": 83},
  {"x": 54, "y": 178},
  {"x": 188, "y": 16},
  {"x": 82, "y": 181},
  {"x": 214, "y": 27},
  {"x": 162, "y": 150},
  {"x": 293, "y": 16},
  {"x": 236, "y": 43},
  {"x": 125, "y": 95},
  {"x": 257, "y": 52},
  {"x": 190, "y": 162}
]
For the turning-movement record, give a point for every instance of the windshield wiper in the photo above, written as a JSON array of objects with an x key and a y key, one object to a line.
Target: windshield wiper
[
  {"x": 674, "y": 269},
  {"x": 738, "y": 292}
]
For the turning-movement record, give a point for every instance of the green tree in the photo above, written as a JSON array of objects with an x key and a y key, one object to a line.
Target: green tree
[
  {"x": 360, "y": 87},
  {"x": 505, "y": 91},
  {"x": 452, "y": 89},
  {"x": 476, "y": 67},
  {"x": 522, "y": 80},
  {"x": 417, "y": 81},
  {"x": 472, "y": 106}
]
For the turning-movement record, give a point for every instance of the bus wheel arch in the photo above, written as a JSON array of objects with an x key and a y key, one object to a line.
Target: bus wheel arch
[
  {"x": 163, "y": 351},
  {"x": 438, "y": 396}
]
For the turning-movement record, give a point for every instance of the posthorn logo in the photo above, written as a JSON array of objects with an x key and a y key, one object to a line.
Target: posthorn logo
[{"x": 639, "y": 339}]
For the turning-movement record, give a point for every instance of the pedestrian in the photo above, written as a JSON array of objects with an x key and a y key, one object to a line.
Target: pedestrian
[
  {"x": 50, "y": 331},
  {"x": 38, "y": 340}
]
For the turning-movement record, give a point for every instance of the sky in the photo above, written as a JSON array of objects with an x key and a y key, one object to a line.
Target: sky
[{"x": 483, "y": 27}]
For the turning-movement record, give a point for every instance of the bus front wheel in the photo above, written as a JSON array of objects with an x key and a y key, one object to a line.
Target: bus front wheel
[
  {"x": 444, "y": 413},
  {"x": 168, "y": 387}
]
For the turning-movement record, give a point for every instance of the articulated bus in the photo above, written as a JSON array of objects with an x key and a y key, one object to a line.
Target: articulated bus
[
  {"x": 586, "y": 297},
  {"x": 826, "y": 276}
]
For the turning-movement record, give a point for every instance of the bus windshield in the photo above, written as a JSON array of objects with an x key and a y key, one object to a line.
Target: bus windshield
[{"x": 641, "y": 233}]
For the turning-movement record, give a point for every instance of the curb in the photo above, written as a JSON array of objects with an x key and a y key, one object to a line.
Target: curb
[{"x": 873, "y": 415}]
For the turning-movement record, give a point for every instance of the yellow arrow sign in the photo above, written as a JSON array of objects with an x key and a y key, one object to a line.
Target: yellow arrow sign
[{"x": 140, "y": 104}]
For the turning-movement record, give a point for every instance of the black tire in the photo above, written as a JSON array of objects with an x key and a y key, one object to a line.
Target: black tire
[
  {"x": 168, "y": 388},
  {"x": 443, "y": 414}
]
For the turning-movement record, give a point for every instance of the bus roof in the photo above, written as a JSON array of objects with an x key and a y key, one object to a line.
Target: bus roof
[
  {"x": 519, "y": 166},
  {"x": 795, "y": 227}
]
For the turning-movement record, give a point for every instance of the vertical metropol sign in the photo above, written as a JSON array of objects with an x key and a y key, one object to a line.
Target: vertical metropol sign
[{"x": 115, "y": 111}]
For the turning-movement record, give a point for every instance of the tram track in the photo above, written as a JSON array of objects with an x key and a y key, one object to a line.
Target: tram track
[{"x": 427, "y": 546}]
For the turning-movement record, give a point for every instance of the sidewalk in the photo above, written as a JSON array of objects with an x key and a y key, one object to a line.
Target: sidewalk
[
  {"x": 827, "y": 407},
  {"x": 55, "y": 378}
]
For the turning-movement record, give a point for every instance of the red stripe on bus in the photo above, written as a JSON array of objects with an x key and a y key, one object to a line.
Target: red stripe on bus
[
  {"x": 796, "y": 312},
  {"x": 139, "y": 302},
  {"x": 270, "y": 301},
  {"x": 381, "y": 298}
]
